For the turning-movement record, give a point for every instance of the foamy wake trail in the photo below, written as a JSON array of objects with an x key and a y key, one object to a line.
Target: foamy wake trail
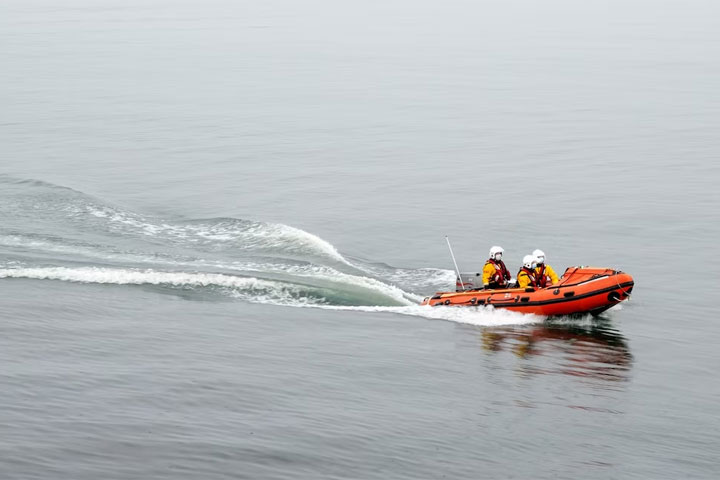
[
  {"x": 256, "y": 290},
  {"x": 299, "y": 291},
  {"x": 133, "y": 277},
  {"x": 482, "y": 316}
]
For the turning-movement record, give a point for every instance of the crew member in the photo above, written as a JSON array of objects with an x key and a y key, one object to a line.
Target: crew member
[
  {"x": 527, "y": 277},
  {"x": 544, "y": 274},
  {"x": 495, "y": 273}
]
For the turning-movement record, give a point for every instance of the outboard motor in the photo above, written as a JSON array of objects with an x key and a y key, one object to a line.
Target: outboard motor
[{"x": 470, "y": 281}]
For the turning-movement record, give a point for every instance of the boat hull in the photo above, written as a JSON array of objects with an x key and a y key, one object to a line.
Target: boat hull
[{"x": 581, "y": 290}]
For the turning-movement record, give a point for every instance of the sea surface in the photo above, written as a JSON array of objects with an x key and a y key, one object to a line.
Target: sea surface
[{"x": 218, "y": 218}]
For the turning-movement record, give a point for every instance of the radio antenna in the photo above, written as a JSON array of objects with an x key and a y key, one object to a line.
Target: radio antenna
[{"x": 457, "y": 270}]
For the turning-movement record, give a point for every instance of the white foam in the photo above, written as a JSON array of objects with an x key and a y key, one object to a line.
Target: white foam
[
  {"x": 133, "y": 277},
  {"x": 102, "y": 252},
  {"x": 275, "y": 235},
  {"x": 332, "y": 276},
  {"x": 128, "y": 219},
  {"x": 324, "y": 276},
  {"x": 33, "y": 244},
  {"x": 246, "y": 234},
  {"x": 482, "y": 316},
  {"x": 247, "y": 288}
]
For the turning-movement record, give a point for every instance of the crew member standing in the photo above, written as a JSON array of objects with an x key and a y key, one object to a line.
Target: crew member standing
[
  {"x": 544, "y": 273},
  {"x": 495, "y": 273}
]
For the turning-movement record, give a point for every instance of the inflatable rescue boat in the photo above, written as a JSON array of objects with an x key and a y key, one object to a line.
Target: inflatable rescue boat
[{"x": 580, "y": 290}]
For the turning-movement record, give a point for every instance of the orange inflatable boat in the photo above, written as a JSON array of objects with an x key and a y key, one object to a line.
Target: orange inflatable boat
[{"x": 580, "y": 290}]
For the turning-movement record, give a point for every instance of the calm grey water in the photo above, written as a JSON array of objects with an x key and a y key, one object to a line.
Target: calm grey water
[{"x": 217, "y": 219}]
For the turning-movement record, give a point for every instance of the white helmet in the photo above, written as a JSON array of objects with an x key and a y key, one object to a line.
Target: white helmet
[
  {"x": 539, "y": 256},
  {"x": 494, "y": 251},
  {"x": 528, "y": 261}
]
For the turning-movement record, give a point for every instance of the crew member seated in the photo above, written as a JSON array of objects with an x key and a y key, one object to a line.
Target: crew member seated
[
  {"x": 544, "y": 273},
  {"x": 495, "y": 273},
  {"x": 526, "y": 277}
]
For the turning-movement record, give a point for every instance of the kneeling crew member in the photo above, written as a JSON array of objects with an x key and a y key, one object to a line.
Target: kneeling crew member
[
  {"x": 544, "y": 274},
  {"x": 526, "y": 277},
  {"x": 495, "y": 273}
]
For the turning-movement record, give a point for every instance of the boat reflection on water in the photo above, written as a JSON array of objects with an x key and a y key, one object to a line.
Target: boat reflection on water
[{"x": 594, "y": 349}]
